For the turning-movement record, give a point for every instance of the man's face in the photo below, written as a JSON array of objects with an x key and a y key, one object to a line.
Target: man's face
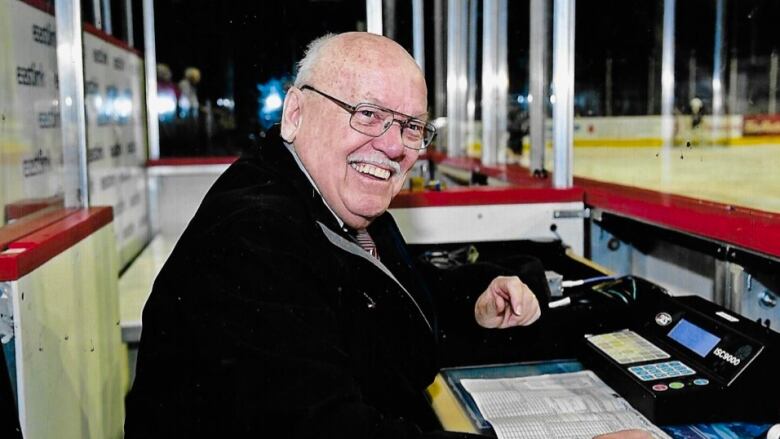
[{"x": 358, "y": 175}]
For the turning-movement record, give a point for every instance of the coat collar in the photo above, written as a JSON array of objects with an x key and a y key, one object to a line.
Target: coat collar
[
  {"x": 350, "y": 247},
  {"x": 275, "y": 153}
]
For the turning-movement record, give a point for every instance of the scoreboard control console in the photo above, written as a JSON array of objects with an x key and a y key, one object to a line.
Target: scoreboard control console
[{"x": 686, "y": 359}]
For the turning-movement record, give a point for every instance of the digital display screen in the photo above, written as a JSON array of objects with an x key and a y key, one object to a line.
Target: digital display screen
[{"x": 693, "y": 337}]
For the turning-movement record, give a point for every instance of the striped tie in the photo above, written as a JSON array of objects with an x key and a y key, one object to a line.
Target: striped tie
[{"x": 365, "y": 241}]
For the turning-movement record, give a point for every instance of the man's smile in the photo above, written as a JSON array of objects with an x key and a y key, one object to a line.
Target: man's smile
[
  {"x": 372, "y": 170},
  {"x": 374, "y": 166}
]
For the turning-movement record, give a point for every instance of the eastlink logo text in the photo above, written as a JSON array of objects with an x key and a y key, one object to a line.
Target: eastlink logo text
[
  {"x": 100, "y": 56},
  {"x": 119, "y": 64},
  {"x": 48, "y": 119},
  {"x": 44, "y": 34},
  {"x": 31, "y": 76},
  {"x": 36, "y": 165}
]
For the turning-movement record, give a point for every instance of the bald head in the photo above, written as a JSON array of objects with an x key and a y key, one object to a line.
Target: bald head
[{"x": 344, "y": 56}]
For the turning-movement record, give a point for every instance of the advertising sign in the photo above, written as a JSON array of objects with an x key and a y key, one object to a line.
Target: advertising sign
[
  {"x": 116, "y": 144},
  {"x": 761, "y": 125},
  {"x": 30, "y": 133},
  {"x": 30, "y": 140}
]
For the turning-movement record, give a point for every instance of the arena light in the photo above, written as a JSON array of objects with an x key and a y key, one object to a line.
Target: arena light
[
  {"x": 272, "y": 102},
  {"x": 166, "y": 105}
]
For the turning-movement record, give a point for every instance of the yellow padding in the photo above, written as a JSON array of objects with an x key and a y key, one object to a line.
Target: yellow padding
[
  {"x": 756, "y": 140},
  {"x": 448, "y": 410}
]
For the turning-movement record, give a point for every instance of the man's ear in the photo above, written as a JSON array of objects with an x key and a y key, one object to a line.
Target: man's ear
[{"x": 291, "y": 114}]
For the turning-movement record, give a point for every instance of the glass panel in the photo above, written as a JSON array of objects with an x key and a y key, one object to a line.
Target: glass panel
[
  {"x": 239, "y": 62},
  {"x": 520, "y": 96},
  {"x": 88, "y": 12},
  {"x": 118, "y": 20},
  {"x": 519, "y": 80},
  {"x": 138, "y": 24},
  {"x": 399, "y": 16},
  {"x": 726, "y": 145},
  {"x": 30, "y": 137},
  {"x": 116, "y": 133},
  {"x": 397, "y": 22}
]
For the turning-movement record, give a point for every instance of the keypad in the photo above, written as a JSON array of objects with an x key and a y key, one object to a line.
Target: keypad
[
  {"x": 657, "y": 371},
  {"x": 627, "y": 347}
]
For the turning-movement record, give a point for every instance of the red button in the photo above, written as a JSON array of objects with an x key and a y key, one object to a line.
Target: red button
[{"x": 660, "y": 387}]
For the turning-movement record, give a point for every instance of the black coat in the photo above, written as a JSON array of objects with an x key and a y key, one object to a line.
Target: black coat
[{"x": 268, "y": 320}]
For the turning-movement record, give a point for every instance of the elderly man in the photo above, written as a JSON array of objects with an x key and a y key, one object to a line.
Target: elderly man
[{"x": 289, "y": 307}]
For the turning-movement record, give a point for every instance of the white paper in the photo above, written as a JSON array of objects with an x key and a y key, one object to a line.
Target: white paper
[{"x": 567, "y": 405}]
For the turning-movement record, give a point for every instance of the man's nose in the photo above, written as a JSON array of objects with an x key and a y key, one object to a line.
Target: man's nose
[{"x": 391, "y": 142}]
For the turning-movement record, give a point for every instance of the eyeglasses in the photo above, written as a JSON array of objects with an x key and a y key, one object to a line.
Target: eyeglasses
[{"x": 373, "y": 120}]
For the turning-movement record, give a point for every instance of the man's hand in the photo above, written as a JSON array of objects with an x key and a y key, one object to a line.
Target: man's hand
[
  {"x": 506, "y": 302},
  {"x": 626, "y": 434}
]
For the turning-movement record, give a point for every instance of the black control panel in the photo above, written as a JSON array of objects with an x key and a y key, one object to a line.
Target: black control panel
[
  {"x": 685, "y": 359},
  {"x": 712, "y": 341}
]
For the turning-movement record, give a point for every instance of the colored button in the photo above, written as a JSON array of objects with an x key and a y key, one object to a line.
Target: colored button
[
  {"x": 676, "y": 385},
  {"x": 660, "y": 387},
  {"x": 701, "y": 381}
]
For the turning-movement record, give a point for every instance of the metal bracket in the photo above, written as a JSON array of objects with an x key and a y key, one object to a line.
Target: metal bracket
[
  {"x": 573, "y": 213},
  {"x": 6, "y": 314}
]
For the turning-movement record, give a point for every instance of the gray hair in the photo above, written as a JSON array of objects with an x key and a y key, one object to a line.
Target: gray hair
[{"x": 310, "y": 59}]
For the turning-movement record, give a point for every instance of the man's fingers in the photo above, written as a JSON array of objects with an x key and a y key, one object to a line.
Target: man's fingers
[
  {"x": 537, "y": 314},
  {"x": 534, "y": 310},
  {"x": 517, "y": 293},
  {"x": 499, "y": 304},
  {"x": 525, "y": 306},
  {"x": 530, "y": 317},
  {"x": 521, "y": 306},
  {"x": 507, "y": 302},
  {"x": 489, "y": 309}
]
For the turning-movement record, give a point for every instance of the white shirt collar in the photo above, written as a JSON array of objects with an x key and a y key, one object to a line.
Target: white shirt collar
[{"x": 291, "y": 148}]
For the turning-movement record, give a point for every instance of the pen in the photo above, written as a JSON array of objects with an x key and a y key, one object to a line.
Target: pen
[{"x": 560, "y": 302}]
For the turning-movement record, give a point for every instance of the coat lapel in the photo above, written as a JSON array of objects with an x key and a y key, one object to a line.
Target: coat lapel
[
  {"x": 351, "y": 247},
  {"x": 275, "y": 152}
]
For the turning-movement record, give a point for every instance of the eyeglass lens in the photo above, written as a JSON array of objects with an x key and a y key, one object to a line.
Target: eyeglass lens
[{"x": 374, "y": 121}]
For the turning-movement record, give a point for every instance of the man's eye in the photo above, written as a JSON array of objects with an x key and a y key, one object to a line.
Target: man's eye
[
  {"x": 367, "y": 114},
  {"x": 415, "y": 127}
]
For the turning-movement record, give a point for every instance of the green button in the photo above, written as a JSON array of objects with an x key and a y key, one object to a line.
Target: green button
[{"x": 676, "y": 385}]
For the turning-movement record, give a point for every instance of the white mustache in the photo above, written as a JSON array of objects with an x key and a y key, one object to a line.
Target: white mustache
[{"x": 375, "y": 160}]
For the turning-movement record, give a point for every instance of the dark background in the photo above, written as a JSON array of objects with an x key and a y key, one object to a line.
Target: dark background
[{"x": 240, "y": 44}]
